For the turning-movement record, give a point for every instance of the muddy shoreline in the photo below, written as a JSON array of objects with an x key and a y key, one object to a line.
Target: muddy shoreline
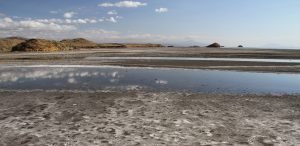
[
  {"x": 143, "y": 118},
  {"x": 78, "y": 58}
]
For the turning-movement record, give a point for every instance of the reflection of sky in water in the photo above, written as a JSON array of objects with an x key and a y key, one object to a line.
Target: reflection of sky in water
[
  {"x": 195, "y": 58},
  {"x": 152, "y": 79}
]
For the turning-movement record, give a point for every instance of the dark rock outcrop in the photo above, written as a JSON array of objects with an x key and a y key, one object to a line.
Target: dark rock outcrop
[
  {"x": 214, "y": 45},
  {"x": 6, "y": 44}
]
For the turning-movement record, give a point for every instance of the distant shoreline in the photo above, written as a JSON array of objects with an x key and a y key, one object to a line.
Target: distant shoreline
[{"x": 77, "y": 57}]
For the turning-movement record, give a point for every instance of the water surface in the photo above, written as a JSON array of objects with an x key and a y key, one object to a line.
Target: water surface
[
  {"x": 103, "y": 78},
  {"x": 197, "y": 59}
]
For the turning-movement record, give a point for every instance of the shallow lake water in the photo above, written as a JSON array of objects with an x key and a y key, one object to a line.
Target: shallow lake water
[
  {"x": 105, "y": 78},
  {"x": 196, "y": 59}
]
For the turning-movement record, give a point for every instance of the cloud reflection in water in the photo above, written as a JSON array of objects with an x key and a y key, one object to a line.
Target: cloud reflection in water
[
  {"x": 58, "y": 77},
  {"x": 93, "y": 78}
]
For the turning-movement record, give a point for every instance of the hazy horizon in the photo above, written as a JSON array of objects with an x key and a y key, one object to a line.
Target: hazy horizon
[{"x": 251, "y": 23}]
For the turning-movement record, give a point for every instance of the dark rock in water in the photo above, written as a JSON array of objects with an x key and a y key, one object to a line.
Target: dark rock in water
[
  {"x": 170, "y": 46},
  {"x": 214, "y": 45},
  {"x": 240, "y": 46}
]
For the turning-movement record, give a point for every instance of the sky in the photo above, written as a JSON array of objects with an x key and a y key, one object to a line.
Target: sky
[{"x": 251, "y": 23}]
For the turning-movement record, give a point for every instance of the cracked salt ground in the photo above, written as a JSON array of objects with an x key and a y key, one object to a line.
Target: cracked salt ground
[{"x": 147, "y": 118}]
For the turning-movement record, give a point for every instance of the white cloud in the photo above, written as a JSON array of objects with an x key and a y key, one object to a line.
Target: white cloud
[
  {"x": 126, "y": 4},
  {"x": 112, "y": 19},
  {"x": 161, "y": 10},
  {"x": 69, "y": 28},
  {"x": 112, "y": 12},
  {"x": 10, "y": 24},
  {"x": 72, "y": 21},
  {"x": 92, "y": 21},
  {"x": 52, "y": 20},
  {"x": 106, "y": 5},
  {"x": 84, "y": 21},
  {"x": 80, "y": 21},
  {"x": 53, "y": 12},
  {"x": 31, "y": 24},
  {"x": 69, "y": 21},
  {"x": 7, "y": 20},
  {"x": 69, "y": 14},
  {"x": 119, "y": 17},
  {"x": 56, "y": 31}
]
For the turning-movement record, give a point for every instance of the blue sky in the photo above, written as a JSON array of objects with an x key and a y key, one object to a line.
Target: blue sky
[{"x": 252, "y": 23}]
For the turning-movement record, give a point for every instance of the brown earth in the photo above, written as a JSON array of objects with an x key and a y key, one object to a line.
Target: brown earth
[
  {"x": 143, "y": 45},
  {"x": 6, "y": 44},
  {"x": 79, "y": 43},
  {"x": 147, "y": 118},
  {"x": 36, "y": 45},
  {"x": 110, "y": 45},
  {"x": 33, "y": 45}
]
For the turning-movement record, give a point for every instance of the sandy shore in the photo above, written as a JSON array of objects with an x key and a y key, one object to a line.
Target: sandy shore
[
  {"x": 78, "y": 58},
  {"x": 147, "y": 118}
]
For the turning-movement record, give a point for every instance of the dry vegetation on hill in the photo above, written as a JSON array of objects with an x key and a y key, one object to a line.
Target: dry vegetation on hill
[
  {"x": 13, "y": 44},
  {"x": 42, "y": 45},
  {"x": 79, "y": 43},
  {"x": 7, "y": 43},
  {"x": 111, "y": 45}
]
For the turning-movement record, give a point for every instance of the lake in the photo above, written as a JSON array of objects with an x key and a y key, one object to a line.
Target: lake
[
  {"x": 77, "y": 77},
  {"x": 197, "y": 59}
]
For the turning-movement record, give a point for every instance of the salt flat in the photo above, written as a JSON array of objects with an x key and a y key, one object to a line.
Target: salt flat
[
  {"x": 62, "y": 98},
  {"x": 147, "y": 118}
]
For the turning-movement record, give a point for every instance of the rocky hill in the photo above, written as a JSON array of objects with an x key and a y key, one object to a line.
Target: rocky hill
[
  {"x": 6, "y": 44},
  {"x": 34, "y": 45},
  {"x": 41, "y": 45},
  {"x": 79, "y": 43},
  {"x": 214, "y": 45}
]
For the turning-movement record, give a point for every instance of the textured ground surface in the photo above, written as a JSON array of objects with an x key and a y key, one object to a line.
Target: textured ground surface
[
  {"x": 147, "y": 118},
  {"x": 78, "y": 57}
]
